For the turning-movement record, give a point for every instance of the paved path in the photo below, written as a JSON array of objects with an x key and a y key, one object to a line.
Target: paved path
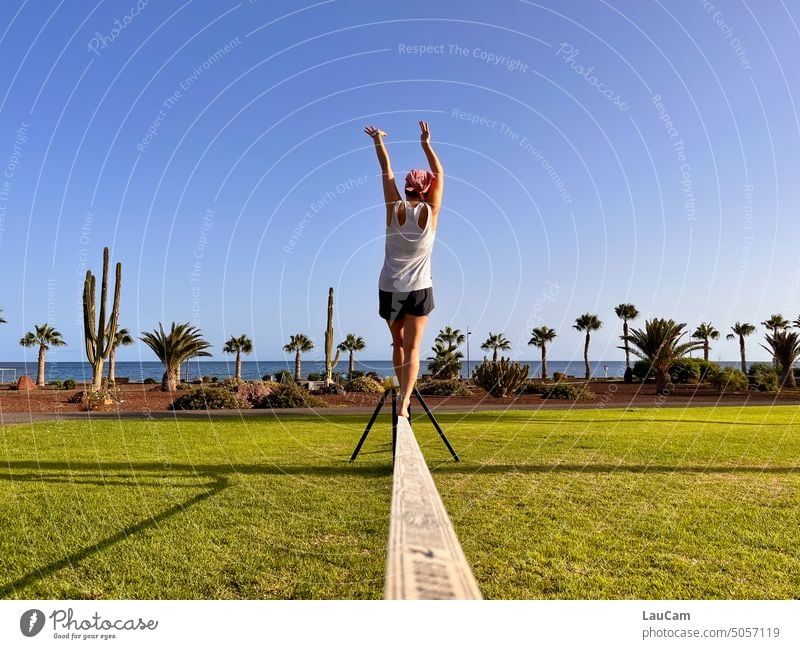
[{"x": 596, "y": 404}]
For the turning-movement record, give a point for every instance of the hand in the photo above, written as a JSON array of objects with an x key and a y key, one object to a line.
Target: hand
[
  {"x": 425, "y": 135},
  {"x": 374, "y": 132}
]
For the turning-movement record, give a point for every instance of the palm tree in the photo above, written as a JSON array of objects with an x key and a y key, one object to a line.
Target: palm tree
[
  {"x": 452, "y": 336},
  {"x": 587, "y": 322},
  {"x": 2, "y": 319},
  {"x": 495, "y": 342},
  {"x": 659, "y": 343},
  {"x": 122, "y": 337},
  {"x": 785, "y": 348},
  {"x": 351, "y": 344},
  {"x": 299, "y": 343},
  {"x": 626, "y": 312},
  {"x": 775, "y": 323},
  {"x": 44, "y": 336},
  {"x": 238, "y": 346},
  {"x": 539, "y": 338},
  {"x": 446, "y": 362},
  {"x": 741, "y": 329},
  {"x": 705, "y": 332},
  {"x": 181, "y": 343}
]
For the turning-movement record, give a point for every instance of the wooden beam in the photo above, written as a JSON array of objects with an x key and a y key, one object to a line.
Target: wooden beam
[{"x": 425, "y": 559}]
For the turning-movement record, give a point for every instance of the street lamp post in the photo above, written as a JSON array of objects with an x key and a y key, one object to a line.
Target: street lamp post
[{"x": 468, "y": 335}]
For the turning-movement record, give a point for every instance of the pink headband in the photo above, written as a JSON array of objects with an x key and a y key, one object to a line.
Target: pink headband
[{"x": 419, "y": 181}]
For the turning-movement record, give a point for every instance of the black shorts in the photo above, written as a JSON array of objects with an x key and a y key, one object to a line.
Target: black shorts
[{"x": 393, "y": 305}]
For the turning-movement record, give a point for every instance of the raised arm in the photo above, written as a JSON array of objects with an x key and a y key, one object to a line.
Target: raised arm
[
  {"x": 435, "y": 193},
  {"x": 390, "y": 193}
]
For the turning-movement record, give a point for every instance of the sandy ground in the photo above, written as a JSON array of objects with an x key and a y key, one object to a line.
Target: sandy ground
[{"x": 138, "y": 400}]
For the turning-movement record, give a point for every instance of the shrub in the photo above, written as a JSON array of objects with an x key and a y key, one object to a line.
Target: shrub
[
  {"x": 559, "y": 376},
  {"x": 374, "y": 376},
  {"x": 534, "y": 386},
  {"x": 94, "y": 400},
  {"x": 69, "y": 384},
  {"x": 641, "y": 370},
  {"x": 184, "y": 386},
  {"x": 568, "y": 391},
  {"x": 57, "y": 385},
  {"x": 207, "y": 379},
  {"x": 363, "y": 384},
  {"x": 684, "y": 370},
  {"x": 284, "y": 376},
  {"x": 316, "y": 376},
  {"x": 101, "y": 399},
  {"x": 500, "y": 378},
  {"x": 708, "y": 369},
  {"x": 355, "y": 374},
  {"x": 232, "y": 383},
  {"x": 331, "y": 388},
  {"x": 206, "y": 399},
  {"x": 290, "y": 395},
  {"x": 444, "y": 388},
  {"x": 254, "y": 392},
  {"x": 764, "y": 377},
  {"x": 148, "y": 381},
  {"x": 729, "y": 380}
]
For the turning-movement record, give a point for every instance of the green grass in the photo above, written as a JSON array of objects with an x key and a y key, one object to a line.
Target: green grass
[
  {"x": 589, "y": 504},
  {"x": 695, "y": 503},
  {"x": 190, "y": 509}
]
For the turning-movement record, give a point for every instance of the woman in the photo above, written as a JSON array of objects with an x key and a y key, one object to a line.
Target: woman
[{"x": 405, "y": 287}]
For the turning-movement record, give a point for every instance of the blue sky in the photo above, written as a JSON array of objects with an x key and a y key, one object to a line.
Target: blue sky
[{"x": 217, "y": 149}]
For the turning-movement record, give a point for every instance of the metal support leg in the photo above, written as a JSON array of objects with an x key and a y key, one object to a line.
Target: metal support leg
[
  {"x": 372, "y": 419},
  {"x": 436, "y": 425}
]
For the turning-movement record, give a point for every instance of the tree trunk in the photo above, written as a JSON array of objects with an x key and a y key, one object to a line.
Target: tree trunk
[
  {"x": 169, "y": 381},
  {"x": 586, "y": 357},
  {"x": 297, "y": 375},
  {"x": 352, "y": 365},
  {"x": 40, "y": 372},
  {"x": 544, "y": 363},
  {"x": 662, "y": 383},
  {"x": 625, "y": 338},
  {"x": 112, "y": 366},
  {"x": 97, "y": 374},
  {"x": 239, "y": 366},
  {"x": 741, "y": 351},
  {"x": 705, "y": 349},
  {"x": 787, "y": 380},
  {"x": 494, "y": 355}
]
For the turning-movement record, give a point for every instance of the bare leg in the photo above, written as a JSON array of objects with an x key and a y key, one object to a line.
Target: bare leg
[
  {"x": 396, "y": 327},
  {"x": 412, "y": 341}
]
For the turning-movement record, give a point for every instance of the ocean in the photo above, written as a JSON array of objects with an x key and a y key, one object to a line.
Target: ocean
[{"x": 137, "y": 371}]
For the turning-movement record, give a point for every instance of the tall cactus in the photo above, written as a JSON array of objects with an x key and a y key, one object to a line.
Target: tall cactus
[
  {"x": 99, "y": 336},
  {"x": 330, "y": 364}
]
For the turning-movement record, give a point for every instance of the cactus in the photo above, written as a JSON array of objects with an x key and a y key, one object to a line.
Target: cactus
[
  {"x": 330, "y": 365},
  {"x": 501, "y": 378},
  {"x": 99, "y": 336}
]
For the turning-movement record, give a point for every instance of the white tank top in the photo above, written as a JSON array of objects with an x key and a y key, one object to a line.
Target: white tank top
[{"x": 407, "y": 258}]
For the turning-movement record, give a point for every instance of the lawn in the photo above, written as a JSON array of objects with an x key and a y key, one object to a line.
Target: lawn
[{"x": 589, "y": 504}]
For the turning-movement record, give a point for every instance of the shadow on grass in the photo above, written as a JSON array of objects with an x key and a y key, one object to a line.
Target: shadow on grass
[
  {"x": 219, "y": 475},
  {"x": 605, "y": 468}
]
